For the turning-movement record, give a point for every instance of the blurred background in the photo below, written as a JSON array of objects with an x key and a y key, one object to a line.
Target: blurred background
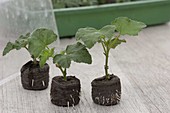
[
  {"x": 66, "y": 16},
  {"x": 21, "y": 16}
]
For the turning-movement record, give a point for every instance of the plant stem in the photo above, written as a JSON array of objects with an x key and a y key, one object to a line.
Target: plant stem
[
  {"x": 26, "y": 48},
  {"x": 106, "y": 67},
  {"x": 64, "y": 72},
  {"x": 106, "y": 53},
  {"x": 104, "y": 48},
  {"x": 47, "y": 47},
  {"x": 34, "y": 60}
]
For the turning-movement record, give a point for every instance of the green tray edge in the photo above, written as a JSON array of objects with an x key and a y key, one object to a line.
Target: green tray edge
[{"x": 151, "y": 12}]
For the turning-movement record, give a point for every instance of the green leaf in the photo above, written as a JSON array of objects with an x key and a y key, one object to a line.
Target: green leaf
[
  {"x": 63, "y": 60},
  {"x": 108, "y": 31},
  {"x": 127, "y": 26},
  {"x": 45, "y": 55},
  {"x": 8, "y": 48},
  {"x": 115, "y": 42},
  {"x": 78, "y": 53},
  {"x": 74, "y": 48},
  {"x": 21, "y": 42},
  {"x": 39, "y": 40},
  {"x": 88, "y": 35}
]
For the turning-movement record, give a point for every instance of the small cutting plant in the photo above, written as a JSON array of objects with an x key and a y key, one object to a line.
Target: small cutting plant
[
  {"x": 36, "y": 43},
  {"x": 76, "y": 52},
  {"x": 109, "y": 37},
  {"x": 65, "y": 89},
  {"x": 35, "y": 73}
]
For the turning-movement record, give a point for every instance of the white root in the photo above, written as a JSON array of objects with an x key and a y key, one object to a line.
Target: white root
[
  {"x": 43, "y": 83},
  {"x": 32, "y": 83}
]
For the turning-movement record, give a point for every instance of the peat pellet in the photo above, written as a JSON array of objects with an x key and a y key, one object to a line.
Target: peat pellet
[
  {"x": 106, "y": 92},
  {"x": 65, "y": 93},
  {"x": 33, "y": 77}
]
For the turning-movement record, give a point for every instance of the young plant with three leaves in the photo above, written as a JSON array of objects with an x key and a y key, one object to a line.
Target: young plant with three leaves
[
  {"x": 109, "y": 36},
  {"x": 36, "y": 43},
  {"x": 65, "y": 90},
  {"x": 76, "y": 52}
]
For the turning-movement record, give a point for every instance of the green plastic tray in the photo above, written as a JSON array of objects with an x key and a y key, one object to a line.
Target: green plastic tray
[{"x": 151, "y": 12}]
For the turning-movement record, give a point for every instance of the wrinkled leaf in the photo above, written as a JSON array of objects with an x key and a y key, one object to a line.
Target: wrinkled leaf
[
  {"x": 40, "y": 38},
  {"x": 63, "y": 60},
  {"x": 115, "y": 42},
  {"x": 21, "y": 42},
  {"x": 88, "y": 35},
  {"x": 74, "y": 48},
  {"x": 76, "y": 52},
  {"x": 108, "y": 31},
  {"x": 8, "y": 48},
  {"x": 45, "y": 55},
  {"x": 127, "y": 26}
]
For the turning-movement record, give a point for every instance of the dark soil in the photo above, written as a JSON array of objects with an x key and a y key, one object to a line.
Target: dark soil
[
  {"x": 65, "y": 93},
  {"x": 33, "y": 77},
  {"x": 106, "y": 92}
]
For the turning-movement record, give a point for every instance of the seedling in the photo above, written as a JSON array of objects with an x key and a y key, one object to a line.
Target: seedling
[
  {"x": 76, "y": 52},
  {"x": 65, "y": 90},
  {"x": 109, "y": 36},
  {"x": 36, "y": 43}
]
